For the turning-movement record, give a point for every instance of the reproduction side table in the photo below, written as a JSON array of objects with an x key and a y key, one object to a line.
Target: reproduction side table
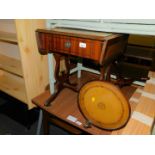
[{"x": 103, "y": 48}]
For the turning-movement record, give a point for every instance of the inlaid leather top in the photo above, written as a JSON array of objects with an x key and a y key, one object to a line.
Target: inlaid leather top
[{"x": 96, "y": 35}]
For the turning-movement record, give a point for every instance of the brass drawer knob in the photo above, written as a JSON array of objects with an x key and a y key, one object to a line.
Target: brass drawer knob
[{"x": 67, "y": 44}]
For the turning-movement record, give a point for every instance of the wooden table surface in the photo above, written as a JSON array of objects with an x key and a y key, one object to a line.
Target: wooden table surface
[{"x": 66, "y": 104}]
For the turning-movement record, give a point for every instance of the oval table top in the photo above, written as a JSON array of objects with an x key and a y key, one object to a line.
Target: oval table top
[{"x": 104, "y": 105}]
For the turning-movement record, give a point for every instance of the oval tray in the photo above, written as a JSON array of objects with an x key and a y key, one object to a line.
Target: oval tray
[{"x": 104, "y": 105}]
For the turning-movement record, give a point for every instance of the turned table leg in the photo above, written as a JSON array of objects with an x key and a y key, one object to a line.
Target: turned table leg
[{"x": 62, "y": 81}]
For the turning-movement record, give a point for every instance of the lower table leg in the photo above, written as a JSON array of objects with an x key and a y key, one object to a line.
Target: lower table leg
[
  {"x": 102, "y": 71},
  {"x": 45, "y": 123}
]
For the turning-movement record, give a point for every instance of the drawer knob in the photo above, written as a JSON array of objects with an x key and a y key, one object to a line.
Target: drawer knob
[{"x": 67, "y": 44}]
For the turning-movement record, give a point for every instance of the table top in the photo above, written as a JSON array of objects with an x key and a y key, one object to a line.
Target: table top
[
  {"x": 95, "y": 35},
  {"x": 66, "y": 108}
]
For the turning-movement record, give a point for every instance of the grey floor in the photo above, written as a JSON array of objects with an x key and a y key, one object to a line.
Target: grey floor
[{"x": 14, "y": 119}]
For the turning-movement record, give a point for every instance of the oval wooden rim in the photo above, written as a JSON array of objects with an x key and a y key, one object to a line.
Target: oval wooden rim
[{"x": 120, "y": 93}]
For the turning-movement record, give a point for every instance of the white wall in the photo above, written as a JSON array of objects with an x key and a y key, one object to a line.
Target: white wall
[{"x": 131, "y": 26}]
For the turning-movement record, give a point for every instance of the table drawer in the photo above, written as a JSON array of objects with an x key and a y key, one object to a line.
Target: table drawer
[
  {"x": 85, "y": 48},
  {"x": 60, "y": 44},
  {"x": 13, "y": 85},
  {"x": 81, "y": 47}
]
